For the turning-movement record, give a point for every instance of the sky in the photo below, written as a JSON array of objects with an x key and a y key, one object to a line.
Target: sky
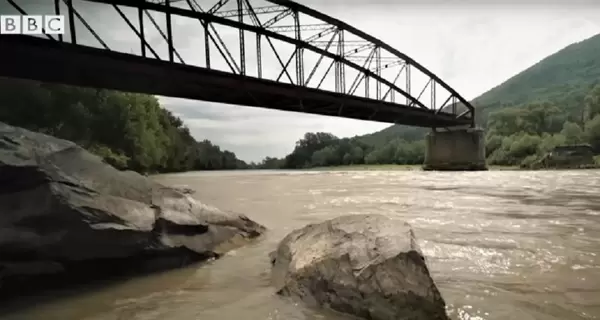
[{"x": 471, "y": 45}]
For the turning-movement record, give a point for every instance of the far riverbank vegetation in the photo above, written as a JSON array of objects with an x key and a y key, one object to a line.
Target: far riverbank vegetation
[{"x": 515, "y": 136}]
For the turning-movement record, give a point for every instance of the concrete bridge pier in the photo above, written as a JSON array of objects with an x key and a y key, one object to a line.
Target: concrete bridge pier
[{"x": 455, "y": 150}]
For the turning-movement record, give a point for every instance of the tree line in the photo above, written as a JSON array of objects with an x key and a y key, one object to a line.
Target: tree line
[
  {"x": 521, "y": 135},
  {"x": 132, "y": 131},
  {"x": 128, "y": 130},
  {"x": 515, "y": 135},
  {"x": 323, "y": 149}
]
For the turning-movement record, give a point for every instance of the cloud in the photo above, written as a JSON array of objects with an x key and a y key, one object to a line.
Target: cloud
[{"x": 472, "y": 45}]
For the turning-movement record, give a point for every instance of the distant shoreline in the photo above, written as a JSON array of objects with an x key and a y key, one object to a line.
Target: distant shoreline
[
  {"x": 377, "y": 167},
  {"x": 416, "y": 167},
  {"x": 392, "y": 167}
]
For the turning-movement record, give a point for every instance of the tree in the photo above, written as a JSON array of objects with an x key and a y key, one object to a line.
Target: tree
[
  {"x": 324, "y": 157},
  {"x": 492, "y": 143},
  {"x": 592, "y": 103},
  {"x": 550, "y": 141},
  {"x": 592, "y": 132},
  {"x": 572, "y": 133},
  {"x": 129, "y": 131}
]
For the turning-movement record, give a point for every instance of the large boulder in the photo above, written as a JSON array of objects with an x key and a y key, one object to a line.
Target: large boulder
[
  {"x": 62, "y": 208},
  {"x": 368, "y": 266}
]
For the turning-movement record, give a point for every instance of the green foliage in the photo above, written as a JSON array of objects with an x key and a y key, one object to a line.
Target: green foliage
[
  {"x": 129, "y": 131},
  {"x": 114, "y": 158},
  {"x": 492, "y": 143},
  {"x": 302, "y": 156},
  {"x": 269, "y": 163},
  {"x": 550, "y": 141},
  {"x": 572, "y": 133},
  {"x": 592, "y": 132},
  {"x": 514, "y": 149},
  {"x": 529, "y": 161},
  {"x": 388, "y": 134},
  {"x": 592, "y": 103},
  {"x": 530, "y": 131},
  {"x": 324, "y": 150}
]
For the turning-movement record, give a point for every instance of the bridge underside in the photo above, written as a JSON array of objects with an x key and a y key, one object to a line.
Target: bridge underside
[{"x": 52, "y": 61}]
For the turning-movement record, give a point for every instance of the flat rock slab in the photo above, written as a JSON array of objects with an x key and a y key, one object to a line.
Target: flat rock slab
[{"x": 368, "y": 266}]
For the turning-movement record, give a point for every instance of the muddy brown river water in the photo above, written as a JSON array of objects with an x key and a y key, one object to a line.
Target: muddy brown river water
[{"x": 500, "y": 245}]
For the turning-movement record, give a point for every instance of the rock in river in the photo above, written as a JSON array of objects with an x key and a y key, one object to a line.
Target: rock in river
[
  {"x": 368, "y": 266},
  {"x": 63, "y": 210}
]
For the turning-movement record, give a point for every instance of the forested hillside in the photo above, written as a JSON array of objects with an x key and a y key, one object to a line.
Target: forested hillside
[
  {"x": 130, "y": 131},
  {"x": 563, "y": 79},
  {"x": 554, "y": 102}
]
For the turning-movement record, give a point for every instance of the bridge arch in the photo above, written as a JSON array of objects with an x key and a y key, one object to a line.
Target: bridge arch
[{"x": 344, "y": 100}]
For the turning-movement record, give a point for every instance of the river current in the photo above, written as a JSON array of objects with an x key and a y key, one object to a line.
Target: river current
[{"x": 500, "y": 245}]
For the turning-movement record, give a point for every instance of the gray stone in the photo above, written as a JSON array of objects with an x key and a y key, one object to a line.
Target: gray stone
[
  {"x": 368, "y": 266},
  {"x": 61, "y": 205}
]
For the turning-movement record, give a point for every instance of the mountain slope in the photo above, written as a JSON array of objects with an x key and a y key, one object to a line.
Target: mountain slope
[
  {"x": 575, "y": 66},
  {"x": 562, "y": 78}
]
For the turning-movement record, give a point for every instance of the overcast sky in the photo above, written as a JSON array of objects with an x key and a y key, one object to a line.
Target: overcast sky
[{"x": 472, "y": 46}]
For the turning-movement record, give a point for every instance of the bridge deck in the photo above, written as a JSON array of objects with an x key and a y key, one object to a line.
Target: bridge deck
[{"x": 45, "y": 60}]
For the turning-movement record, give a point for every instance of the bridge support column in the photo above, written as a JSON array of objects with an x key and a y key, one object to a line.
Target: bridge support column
[{"x": 455, "y": 150}]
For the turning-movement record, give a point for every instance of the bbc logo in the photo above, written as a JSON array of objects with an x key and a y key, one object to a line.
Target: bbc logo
[{"x": 46, "y": 24}]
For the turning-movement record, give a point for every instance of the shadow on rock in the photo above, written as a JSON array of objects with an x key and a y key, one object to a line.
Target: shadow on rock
[
  {"x": 66, "y": 216},
  {"x": 368, "y": 266}
]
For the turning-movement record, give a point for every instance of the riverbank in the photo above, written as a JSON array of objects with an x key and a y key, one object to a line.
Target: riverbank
[{"x": 393, "y": 167}]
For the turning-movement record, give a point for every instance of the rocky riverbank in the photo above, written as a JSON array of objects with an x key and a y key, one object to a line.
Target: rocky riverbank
[{"x": 65, "y": 214}]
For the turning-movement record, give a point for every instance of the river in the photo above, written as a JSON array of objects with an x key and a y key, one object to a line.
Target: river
[{"x": 500, "y": 245}]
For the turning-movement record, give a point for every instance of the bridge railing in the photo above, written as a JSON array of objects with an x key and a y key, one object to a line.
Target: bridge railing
[{"x": 277, "y": 40}]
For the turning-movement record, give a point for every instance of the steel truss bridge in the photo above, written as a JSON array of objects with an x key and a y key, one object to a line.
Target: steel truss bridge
[{"x": 281, "y": 55}]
